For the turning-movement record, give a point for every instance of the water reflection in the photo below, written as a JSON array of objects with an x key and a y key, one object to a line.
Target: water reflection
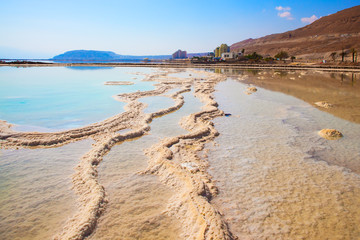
[
  {"x": 277, "y": 178},
  {"x": 339, "y": 89}
]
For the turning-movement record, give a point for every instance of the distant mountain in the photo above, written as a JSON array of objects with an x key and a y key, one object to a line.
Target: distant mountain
[
  {"x": 317, "y": 40},
  {"x": 92, "y": 55}
]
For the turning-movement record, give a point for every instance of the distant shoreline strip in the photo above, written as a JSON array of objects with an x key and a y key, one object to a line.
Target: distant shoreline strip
[{"x": 191, "y": 65}]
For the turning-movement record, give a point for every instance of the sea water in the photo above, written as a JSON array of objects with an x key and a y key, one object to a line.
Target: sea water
[
  {"x": 58, "y": 98},
  {"x": 277, "y": 178},
  {"x": 137, "y": 202},
  {"x": 36, "y": 197}
]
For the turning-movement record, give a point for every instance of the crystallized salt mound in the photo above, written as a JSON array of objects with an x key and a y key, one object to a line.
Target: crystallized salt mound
[
  {"x": 250, "y": 90},
  {"x": 118, "y": 83},
  {"x": 330, "y": 134},
  {"x": 324, "y": 104}
]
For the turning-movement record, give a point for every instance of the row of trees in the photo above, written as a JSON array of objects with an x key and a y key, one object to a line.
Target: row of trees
[
  {"x": 343, "y": 54},
  {"x": 282, "y": 55}
]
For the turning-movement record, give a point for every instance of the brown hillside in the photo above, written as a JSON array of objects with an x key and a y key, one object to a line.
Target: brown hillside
[{"x": 317, "y": 40}]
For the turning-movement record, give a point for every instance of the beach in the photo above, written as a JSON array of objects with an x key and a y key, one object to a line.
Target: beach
[{"x": 232, "y": 153}]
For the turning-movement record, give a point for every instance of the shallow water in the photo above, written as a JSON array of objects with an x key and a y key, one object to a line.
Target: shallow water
[
  {"x": 187, "y": 73},
  {"x": 156, "y": 103},
  {"x": 58, "y": 98},
  {"x": 342, "y": 90},
  {"x": 35, "y": 190},
  {"x": 277, "y": 178},
  {"x": 137, "y": 202}
]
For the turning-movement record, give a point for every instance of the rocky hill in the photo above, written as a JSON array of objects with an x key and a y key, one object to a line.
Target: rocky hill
[
  {"x": 92, "y": 55},
  {"x": 315, "y": 41}
]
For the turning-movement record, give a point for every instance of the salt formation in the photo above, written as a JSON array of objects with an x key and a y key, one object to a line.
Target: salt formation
[
  {"x": 324, "y": 104},
  {"x": 250, "y": 90},
  {"x": 330, "y": 134},
  {"x": 186, "y": 172}
]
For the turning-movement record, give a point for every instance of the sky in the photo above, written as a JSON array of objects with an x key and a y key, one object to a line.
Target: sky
[{"x": 45, "y": 28}]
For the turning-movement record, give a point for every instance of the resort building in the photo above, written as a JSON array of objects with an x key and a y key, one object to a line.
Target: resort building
[
  {"x": 179, "y": 54},
  {"x": 222, "y": 49},
  {"x": 228, "y": 55},
  {"x": 217, "y": 52}
]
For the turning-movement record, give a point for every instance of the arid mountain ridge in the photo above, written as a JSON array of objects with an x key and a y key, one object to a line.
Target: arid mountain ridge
[{"x": 317, "y": 40}]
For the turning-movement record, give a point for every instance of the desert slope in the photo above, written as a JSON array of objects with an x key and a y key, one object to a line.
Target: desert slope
[{"x": 317, "y": 40}]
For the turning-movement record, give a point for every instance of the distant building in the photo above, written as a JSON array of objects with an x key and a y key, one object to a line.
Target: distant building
[
  {"x": 222, "y": 49},
  {"x": 217, "y": 52},
  {"x": 179, "y": 54},
  {"x": 228, "y": 55}
]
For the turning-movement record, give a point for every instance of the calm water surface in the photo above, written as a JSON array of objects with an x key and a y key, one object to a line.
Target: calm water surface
[
  {"x": 35, "y": 190},
  {"x": 278, "y": 179},
  {"x": 58, "y": 98},
  {"x": 137, "y": 202}
]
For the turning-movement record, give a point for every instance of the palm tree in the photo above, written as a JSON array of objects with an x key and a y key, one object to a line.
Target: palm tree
[
  {"x": 343, "y": 54},
  {"x": 333, "y": 56},
  {"x": 353, "y": 51}
]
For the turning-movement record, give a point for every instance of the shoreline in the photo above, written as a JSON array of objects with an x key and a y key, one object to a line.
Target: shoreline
[{"x": 334, "y": 68}]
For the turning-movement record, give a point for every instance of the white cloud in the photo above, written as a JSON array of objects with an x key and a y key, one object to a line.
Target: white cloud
[
  {"x": 281, "y": 8},
  {"x": 284, "y": 12},
  {"x": 309, "y": 19},
  {"x": 286, "y": 15}
]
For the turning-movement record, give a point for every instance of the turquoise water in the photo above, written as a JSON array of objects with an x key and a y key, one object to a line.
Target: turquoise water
[
  {"x": 57, "y": 98},
  {"x": 156, "y": 103}
]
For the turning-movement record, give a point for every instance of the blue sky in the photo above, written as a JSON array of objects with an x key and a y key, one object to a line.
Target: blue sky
[{"x": 42, "y": 29}]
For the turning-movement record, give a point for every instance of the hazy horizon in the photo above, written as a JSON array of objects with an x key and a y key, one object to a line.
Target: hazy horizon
[{"x": 43, "y": 29}]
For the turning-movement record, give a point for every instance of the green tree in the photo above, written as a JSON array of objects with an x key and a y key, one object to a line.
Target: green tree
[
  {"x": 254, "y": 56},
  {"x": 333, "y": 56},
  {"x": 282, "y": 55},
  {"x": 343, "y": 55},
  {"x": 354, "y": 53},
  {"x": 293, "y": 58}
]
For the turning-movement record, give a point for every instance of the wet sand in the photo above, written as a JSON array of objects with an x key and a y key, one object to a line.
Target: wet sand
[{"x": 272, "y": 182}]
